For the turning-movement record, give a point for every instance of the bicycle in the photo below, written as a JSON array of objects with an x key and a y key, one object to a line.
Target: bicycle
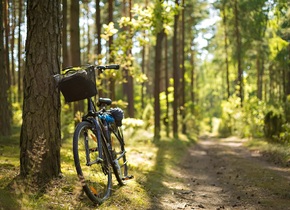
[{"x": 98, "y": 142}]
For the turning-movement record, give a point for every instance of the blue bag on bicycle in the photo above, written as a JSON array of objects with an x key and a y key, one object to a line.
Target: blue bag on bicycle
[{"x": 118, "y": 115}]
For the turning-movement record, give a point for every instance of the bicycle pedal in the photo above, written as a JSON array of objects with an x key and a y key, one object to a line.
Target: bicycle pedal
[{"x": 128, "y": 177}]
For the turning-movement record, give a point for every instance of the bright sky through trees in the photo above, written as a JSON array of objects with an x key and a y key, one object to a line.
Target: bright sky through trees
[{"x": 206, "y": 30}]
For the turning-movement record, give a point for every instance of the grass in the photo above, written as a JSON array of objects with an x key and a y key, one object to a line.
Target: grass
[
  {"x": 274, "y": 152},
  {"x": 152, "y": 165}
]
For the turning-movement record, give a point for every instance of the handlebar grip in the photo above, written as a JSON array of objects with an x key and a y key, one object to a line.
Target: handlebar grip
[
  {"x": 66, "y": 68},
  {"x": 113, "y": 66}
]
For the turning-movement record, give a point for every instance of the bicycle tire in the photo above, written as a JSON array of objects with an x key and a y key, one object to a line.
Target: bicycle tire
[
  {"x": 120, "y": 166},
  {"x": 96, "y": 179}
]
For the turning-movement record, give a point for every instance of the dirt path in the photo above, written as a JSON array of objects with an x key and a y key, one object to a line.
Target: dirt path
[{"x": 222, "y": 174}]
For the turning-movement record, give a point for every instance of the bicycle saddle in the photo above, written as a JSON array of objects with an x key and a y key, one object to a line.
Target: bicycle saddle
[{"x": 106, "y": 101}]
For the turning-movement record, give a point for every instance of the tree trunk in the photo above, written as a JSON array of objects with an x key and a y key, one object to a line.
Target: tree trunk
[
  {"x": 130, "y": 92},
  {"x": 111, "y": 59},
  {"x": 99, "y": 46},
  {"x": 157, "y": 68},
  {"x": 271, "y": 81},
  {"x": 7, "y": 37},
  {"x": 192, "y": 77},
  {"x": 158, "y": 64},
  {"x": 287, "y": 91},
  {"x": 192, "y": 71},
  {"x": 259, "y": 76},
  {"x": 75, "y": 49},
  {"x": 224, "y": 17},
  {"x": 12, "y": 45},
  {"x": 89, "y": 40},
  {"x": 143, "y": 72},
  {"x": 99, "y": 28},
  {"x": 40, "y": 132},
  {"x": 175, "y": 76},
  {"x": 75, "y": 33},
  {"x": 166, "y": 120},
  {"x": 65, "y": 50},
  {"x": 239, "y": 52},
  {"x": 19, "y": 49},
  {"x": 143, "y": 67},
  {"x": 182, "y": 107},
  {"x": 5, "y": 117},
  {"x": 110, "y": 19},
  {"x": 128, "y": 87}
]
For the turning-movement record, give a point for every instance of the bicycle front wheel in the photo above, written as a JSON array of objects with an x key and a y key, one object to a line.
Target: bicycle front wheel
[{"x": 94, "y": 172}]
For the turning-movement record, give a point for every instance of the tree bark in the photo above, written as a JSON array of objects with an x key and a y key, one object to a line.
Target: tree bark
[
  {"x": 7, "y": 37},
  {"x": 176, "y": 76},
  {"x": 40, "y": 132},
  {"x": 111, "y": 59},
  {"x": 239, "y": 52},
  {"x": 65, "y": 50},
  {"x": 99, "y": 28},
  {"x": 182, "y": 105},
  {"x": 130, "y": 92},
  {"x": 143, "y": 68},
  {"x": 157, "y": 67},
  {"x": 19, "y": 49},
  {"x": 5, "y": 117},
  {"x": 12, "y": 46},
  {"x": 166, "y": 120},
  {"x": 192, "y": 82},
  {"x": 260, "y": 72},
  {"x": 99, "y": 45},
  {"x": 224, "y": 17},
  {"x": 75, "y": 49},
  {"x": 192, "y": 70},
  {"x": 158, "y": 64}
]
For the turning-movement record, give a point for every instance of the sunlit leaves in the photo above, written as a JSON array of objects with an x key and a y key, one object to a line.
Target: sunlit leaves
[
  {"x": 109, "y": 30},
  {"x": 276, "y": 44}
]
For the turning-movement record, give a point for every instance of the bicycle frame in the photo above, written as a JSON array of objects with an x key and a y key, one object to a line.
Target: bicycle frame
[{"x": 101, "y": 127}]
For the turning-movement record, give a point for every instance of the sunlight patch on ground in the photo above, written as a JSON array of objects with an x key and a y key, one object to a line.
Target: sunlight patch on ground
[{"x": 141, "y": 157}]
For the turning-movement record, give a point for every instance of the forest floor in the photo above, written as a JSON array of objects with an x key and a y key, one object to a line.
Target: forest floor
[
  {"x": 223, "y": 174},
  {"x": 211, "y": 173}
]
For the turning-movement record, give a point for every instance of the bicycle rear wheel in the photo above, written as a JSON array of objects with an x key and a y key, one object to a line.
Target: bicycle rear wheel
[
  {"x": 120, "y": 166},
  {"x": 95, "y": 174}
]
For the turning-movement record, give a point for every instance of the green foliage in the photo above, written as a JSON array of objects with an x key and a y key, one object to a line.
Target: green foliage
[
  {"x": 148, "y": 116},
  {"x": 254, "y": 111},
  {"x": 158, "y": 16},
  {"x": 284, "y": 136},
  {"x": 246, "y": 121},
  {"x": 254, "y": 119},
  {"x": 67, "y": 120},
  {"x": 277, "y": 128},
  {"x": 231, "y": 111},
  {"x": 17, "y": 114},
  {"x": 262, "y": 26}
]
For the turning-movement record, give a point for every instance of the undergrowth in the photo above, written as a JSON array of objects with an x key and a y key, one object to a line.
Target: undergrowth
[
  {"x": 150, "y": 163},
  {"x": 274, "y": 152}
]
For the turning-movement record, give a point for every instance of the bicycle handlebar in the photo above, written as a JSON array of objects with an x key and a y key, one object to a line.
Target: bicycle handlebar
[
  {"x": 101, "y": 68},
  {"x": 113, "y": 66}
]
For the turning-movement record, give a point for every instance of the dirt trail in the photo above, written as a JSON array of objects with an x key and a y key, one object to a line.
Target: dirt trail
[{"x": 222, "y": 174}]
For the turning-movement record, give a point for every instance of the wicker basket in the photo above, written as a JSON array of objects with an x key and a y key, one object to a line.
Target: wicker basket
[{"x": 78, "y": 85}]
